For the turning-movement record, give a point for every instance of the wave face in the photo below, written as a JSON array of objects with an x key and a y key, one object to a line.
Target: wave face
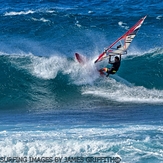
[{"x": 28, "y": 80}]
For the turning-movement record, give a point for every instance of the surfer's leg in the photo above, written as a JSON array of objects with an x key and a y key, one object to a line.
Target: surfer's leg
[
  {"x": 110, "y": 71},
  {"x": 104, "y": 69},
  {"x": 107, "y": 73},
  {"x": 107, "y": 70}
]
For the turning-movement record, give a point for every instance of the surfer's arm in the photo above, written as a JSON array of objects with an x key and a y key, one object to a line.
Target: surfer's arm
[
  {"x": 110, "y": 62},
  {"x": 120, "y": 57},
  {"x": 109, "y": 59}
]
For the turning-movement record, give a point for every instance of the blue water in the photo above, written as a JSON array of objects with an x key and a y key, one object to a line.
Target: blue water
[{"x": 50, "y": 106}]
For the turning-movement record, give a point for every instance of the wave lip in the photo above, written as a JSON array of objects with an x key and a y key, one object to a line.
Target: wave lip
[{"x": 39, "y": 78}]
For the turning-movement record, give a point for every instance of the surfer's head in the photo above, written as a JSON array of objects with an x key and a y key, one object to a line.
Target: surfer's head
[{"x": 117, "y": 58}]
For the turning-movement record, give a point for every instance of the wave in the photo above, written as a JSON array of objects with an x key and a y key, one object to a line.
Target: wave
[
  {"x": 41, "y": 19},
  {"x": 114, "y": 91},
  {"x": 27, "y": 12},
  {"x": 54, "y": 80},
  {"x": 86, "y": 142},
  {"x": 123, "y": 25},
  {"x": 14, "y": 13}
]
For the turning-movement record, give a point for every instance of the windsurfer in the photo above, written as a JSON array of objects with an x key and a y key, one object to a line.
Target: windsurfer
[{"x": 115, "y": 66}]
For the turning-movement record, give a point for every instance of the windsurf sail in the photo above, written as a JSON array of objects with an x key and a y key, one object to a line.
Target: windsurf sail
[{"x": 121, "y": 45}]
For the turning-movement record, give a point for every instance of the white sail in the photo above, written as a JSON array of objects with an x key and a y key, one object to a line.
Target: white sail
[{"x": 121, "y": 45}]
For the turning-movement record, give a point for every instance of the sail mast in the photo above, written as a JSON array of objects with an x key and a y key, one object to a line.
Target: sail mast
[{"x": 126, "y": 38}]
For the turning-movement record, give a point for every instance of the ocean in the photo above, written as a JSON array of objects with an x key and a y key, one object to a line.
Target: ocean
[{"x": 52, "y": 109}]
